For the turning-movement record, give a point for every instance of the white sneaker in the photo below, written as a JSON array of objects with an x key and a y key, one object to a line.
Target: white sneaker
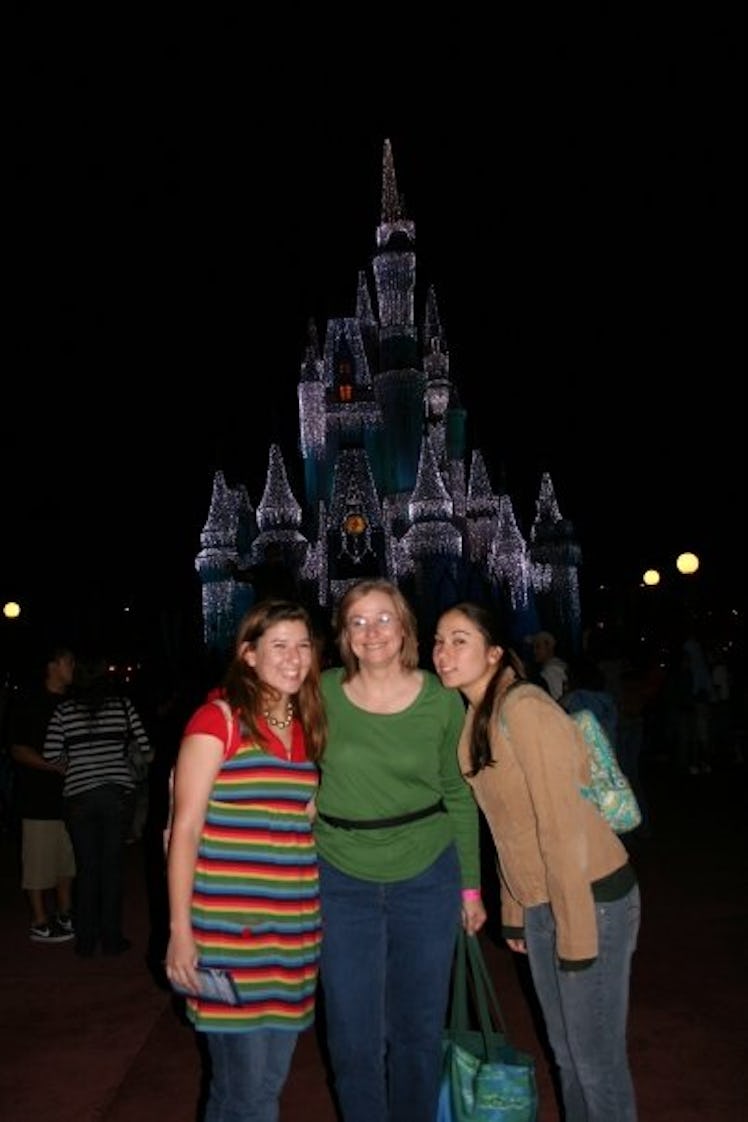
[{"x": 49, "y": 933}]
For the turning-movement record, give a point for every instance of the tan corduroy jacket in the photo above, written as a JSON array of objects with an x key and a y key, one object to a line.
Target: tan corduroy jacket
[{"x": 551, "y": 842}]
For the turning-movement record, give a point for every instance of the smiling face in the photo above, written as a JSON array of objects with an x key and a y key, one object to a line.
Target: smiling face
[
  {"x": 463, "y": 657},
  {"x": 282, "y": 656},
  {"x": 373, "y": 629}
]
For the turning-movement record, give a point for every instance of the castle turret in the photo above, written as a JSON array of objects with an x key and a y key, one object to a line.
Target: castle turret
[
  {"x": 279, "y": 518},
  {"x": 312, "y": 419},
  {"x": 555, "y": 557},
  {"x": 226, "y": 535},
  {"x": 433, "y": 544}
]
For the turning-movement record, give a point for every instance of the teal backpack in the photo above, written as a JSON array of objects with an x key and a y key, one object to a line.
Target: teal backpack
[{"x": 609, "y": 789}]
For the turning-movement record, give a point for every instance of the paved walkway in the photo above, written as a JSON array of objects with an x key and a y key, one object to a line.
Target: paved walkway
[{"x": 97, "y": 1040}]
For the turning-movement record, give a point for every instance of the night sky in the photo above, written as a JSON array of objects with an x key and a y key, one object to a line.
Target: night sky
[{"x": 178, "y": 211}]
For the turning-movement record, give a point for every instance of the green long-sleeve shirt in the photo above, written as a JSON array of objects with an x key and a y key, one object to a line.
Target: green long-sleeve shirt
[{"x": 380, "y": 765}]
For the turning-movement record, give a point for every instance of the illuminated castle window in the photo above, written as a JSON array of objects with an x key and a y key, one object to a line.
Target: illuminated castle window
[{"x": 344, "y": 378}]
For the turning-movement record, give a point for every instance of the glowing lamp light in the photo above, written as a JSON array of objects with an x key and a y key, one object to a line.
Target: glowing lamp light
[
  {"x": 11, "y": 610},
  {"x": 651, "y": 578},
  {"x": 687, "y": 563}
]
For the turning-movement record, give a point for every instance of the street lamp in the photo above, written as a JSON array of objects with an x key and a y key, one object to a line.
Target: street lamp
[{"x": 687, "y": 563}]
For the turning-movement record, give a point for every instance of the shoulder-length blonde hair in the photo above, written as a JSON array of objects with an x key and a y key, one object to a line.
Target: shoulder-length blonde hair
[{"x": 403, "y": 611}]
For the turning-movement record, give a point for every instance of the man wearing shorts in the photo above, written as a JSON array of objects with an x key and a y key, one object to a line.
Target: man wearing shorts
[{"x": 47, "y": 861}]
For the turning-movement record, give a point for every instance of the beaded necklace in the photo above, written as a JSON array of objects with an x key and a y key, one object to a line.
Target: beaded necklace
[{"x": 282, "y": 723}]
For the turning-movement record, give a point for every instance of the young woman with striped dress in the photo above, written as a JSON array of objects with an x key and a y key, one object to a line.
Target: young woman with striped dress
[{"x": 242, "y": 864}]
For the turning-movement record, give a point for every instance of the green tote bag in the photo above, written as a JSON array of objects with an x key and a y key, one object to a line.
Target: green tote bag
[{"x": 484, "y": 1078}]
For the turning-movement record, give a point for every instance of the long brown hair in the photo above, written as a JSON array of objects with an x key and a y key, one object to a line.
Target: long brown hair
[
  {"x": 247, "y": 694},
  {"x": 403, "y": 611}
]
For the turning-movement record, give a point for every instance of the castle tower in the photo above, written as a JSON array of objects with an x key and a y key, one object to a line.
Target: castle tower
[
  {"x": 227, "y": 533},
  {"x": 279, "y": 518},
  {"x": 399, "y": 386},
  {"x": 432, "y": 545},
  {"x": 312, "y": 419},
  {"x": 555, "y": 558}
]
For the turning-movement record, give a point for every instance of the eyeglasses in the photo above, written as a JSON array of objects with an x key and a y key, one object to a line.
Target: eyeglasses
[{"x": 358, "y": 624}]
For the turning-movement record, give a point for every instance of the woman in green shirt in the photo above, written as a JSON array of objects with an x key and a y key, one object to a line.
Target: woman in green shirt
[{"x": 398, "y": 845}]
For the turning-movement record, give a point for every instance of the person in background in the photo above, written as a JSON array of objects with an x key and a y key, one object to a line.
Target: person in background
[
  {"x": 398, "y": 842},
  {"x": 551, "y": 669},
  {"x": 47, "y": 859},
  {"x": 688, "y": 693},
  {"x": 8, "y": 811},
  {"x": 586, "y": 689},
  {"x": 621, "y": 718},
  {"x": 242, "y": 865},
  {"x": 569, "y": 896},
  {"x": 722, "y": 722},
  {"x": 89, "y": 730},
  {"x": 696, "y": 733}
]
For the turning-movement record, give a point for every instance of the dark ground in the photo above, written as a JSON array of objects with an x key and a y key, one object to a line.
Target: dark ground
[{"x": 99, "y": 1041}]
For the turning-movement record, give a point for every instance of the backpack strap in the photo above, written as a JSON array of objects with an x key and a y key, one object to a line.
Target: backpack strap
[
  {"x": 230, "y": 747},
  {"x": 231, "y": 741}
]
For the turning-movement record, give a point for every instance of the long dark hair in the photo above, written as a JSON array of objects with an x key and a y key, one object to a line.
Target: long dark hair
[
  {"x": 247, "y": 694},
  {"x": 510, "y": 671}
]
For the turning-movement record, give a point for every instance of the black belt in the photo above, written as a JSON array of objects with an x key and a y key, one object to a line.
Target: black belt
[{"x": 378, "y": 823}]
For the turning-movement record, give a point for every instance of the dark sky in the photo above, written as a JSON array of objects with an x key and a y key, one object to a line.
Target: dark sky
[{"x": 180, "y": 205}]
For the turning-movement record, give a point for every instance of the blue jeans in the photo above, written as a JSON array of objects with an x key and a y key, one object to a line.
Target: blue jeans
[
  {"x": 387, "y": 951},
  {"x": 586, "y": 1011},
  {"x": 248, "y": 1073}
]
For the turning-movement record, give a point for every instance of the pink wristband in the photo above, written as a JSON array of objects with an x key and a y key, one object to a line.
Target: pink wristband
[{"x": 471, "y": 894}]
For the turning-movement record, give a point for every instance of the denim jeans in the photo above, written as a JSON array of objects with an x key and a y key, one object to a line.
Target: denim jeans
[
  {"x": 248, "y": 1073},
  {"x": 387, "y": 951},
  {"x": 586, "y": 1011}
]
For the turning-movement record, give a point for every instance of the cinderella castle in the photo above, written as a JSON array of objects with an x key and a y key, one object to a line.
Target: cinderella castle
[{"x": 390, "y": 485}]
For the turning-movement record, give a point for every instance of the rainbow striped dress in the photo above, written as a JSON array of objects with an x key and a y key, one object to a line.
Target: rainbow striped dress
[{"x": 255, "y": 898}]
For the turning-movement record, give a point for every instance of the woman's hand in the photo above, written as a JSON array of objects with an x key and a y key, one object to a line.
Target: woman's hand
[
  {"x": 181, "y": 960},
  {"x": 473, "y": 915},
  {"x": 517, "y": 945}
]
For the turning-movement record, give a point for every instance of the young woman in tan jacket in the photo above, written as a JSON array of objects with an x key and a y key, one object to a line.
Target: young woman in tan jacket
[{"x": 569, "y": 896}]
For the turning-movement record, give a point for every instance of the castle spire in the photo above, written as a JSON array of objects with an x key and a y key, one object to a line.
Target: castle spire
[
  {"x": 481, "y": 501},
  {"x": 222, "y": 523},
  {"x": 312, "y": 344},
  {"x": 364, "y": 311},
  {"x": 547, "y": 512},
  {"x": 509, "y": 567},
  {"x": 392, "y": 209},
  {"x": 311, "y": 367},
  {"x": 277, "y": 507},
  {"x": 432, "y": 325},
  {"x": 430, "y": 498}
]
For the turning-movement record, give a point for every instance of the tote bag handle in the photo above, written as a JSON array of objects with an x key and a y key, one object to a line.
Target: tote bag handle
[{"x": 490, "y": 1018}]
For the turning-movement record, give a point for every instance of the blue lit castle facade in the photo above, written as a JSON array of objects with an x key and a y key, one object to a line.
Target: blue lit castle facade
[{"x": 389, "y": 486}]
